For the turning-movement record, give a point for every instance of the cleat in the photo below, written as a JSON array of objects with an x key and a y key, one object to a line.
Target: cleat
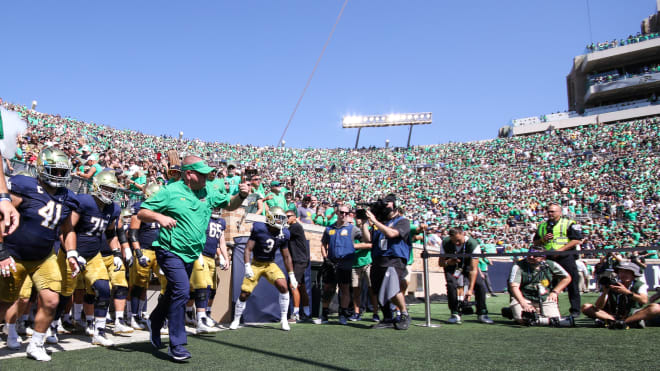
[
  {"x": 28, "y": 331},
  {"x": 485, "y": 319},
  {"x": 202, "y": 328},
  {"x": 121, "y": 328},
  {"x": 403, "y": 323},
  {"x": 89, "y": 329},
  {"x": 190, "y": 319},
  {"x": 294, "y": 318},
  {"x": 342, "y": 320},
  {"x": 165, "y": 329},
  {"x": 51, "y": 335},
  {"x": 455, "y": 319},
  {"x": 208, "y": 321},
  {"x": 67, "y": 327},
  {"x": 375, "y": 318},
  {"x": 14, "y": 343},
  {"x": 37, "y": 352},
  {"x": 136, "y": 325},
  {"x": 178, "y": 353},
  {"x": 234, "y": 324},
  {"x": 60, "y": 327},
  {"x": 284, "y": 325},
  {"x": 324, "y": 320},
  {"x": 99, "y": 338}
]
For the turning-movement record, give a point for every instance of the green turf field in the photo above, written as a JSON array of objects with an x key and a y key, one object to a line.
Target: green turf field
[{"x": 356, "y": 346}]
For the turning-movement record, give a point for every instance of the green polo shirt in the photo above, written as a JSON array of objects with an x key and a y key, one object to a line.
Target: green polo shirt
[
  {"x": 277, "y": 200},
  {"x": 192, "y": 211}
]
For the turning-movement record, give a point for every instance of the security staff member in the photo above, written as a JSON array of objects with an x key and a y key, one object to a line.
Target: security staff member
[{"x": 562, "y": 234}]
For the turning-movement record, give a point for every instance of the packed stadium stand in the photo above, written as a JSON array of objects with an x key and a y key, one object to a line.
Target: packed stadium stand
[{"x": 603, "y": 174}]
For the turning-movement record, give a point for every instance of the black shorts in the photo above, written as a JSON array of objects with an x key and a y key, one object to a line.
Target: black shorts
[
  {"x": 341, "y": 274},
  {"x": 299, "y": 269}
]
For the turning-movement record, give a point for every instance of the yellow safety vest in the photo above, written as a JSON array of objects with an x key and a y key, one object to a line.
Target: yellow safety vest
[{"x": 560, "y": 231}]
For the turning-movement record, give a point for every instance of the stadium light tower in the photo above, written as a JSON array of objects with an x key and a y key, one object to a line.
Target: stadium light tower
[
  {"x": 392, "y": 119},
  {"x": 387, "y": 143},
  {"x": 180, "y": 135},
  {"x": 34, "y": 104}
]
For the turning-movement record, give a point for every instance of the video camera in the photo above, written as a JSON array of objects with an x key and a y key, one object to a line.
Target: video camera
[
  {"x": 378, "y": 208},
  {"x": 608, "y": 279},
  {"x": 466, "y": 307}
]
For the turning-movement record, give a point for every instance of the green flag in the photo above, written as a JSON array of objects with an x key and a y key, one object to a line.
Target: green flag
[{"x": 2, "y": 132}]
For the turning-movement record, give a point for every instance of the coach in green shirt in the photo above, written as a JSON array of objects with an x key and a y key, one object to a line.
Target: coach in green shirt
[{"x": 183, "y": 210}]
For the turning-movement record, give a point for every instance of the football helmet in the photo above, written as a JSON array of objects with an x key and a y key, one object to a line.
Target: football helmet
[
  {"x": 105, "y": 186},
  {"x": 151, "y": 189},
  {"x": 126, "y": 215},
  {"x": 54, "y": 167},
  {"x": 216, "y": 213},
  {"x": 276, "y": 217}
]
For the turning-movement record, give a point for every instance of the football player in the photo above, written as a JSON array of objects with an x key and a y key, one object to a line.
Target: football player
[
  {"x": 141, "y": 236},
  {"x": 96, "y": 215},
  {"x": 204, "y": 278},
  {"x": 265, "y": 239},
  {"x": 118, "y": 283},
  {"x": 43, "y": 204}
]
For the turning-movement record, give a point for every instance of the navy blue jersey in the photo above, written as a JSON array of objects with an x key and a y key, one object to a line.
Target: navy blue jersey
[
  {"x": 148, "y": 232},
  {"x": 41, "y": 215},
  {"x": 92, "y": 224},
  {"x": 213, "y": 233},
  {"x": 265, "y": 244},
  {"x": 105, "y": 246}
]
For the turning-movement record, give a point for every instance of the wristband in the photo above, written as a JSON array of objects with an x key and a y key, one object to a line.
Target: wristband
[
  {"x": 554, "y": 292},
  {"x": 5, "y": 197},
  {"x": 138, "y": 253},
  {"x": 116, "y": 253},
  {"x": 291, "y": 274},
  {"x": 72, "y": 254}
]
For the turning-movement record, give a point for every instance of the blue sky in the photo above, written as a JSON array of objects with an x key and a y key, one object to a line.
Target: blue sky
[{"x": 233, "y": 71}]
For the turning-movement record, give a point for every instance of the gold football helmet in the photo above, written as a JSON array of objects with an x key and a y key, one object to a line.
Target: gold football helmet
[
  {"x": 54, "y": 167},
  {"x": 105, "y": 186}
]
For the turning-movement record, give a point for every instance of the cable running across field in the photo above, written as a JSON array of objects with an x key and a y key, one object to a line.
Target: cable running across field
[{"x": 309, "y": 80}]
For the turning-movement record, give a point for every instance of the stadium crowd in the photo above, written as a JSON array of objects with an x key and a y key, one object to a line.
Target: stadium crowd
[
  {"x": 603, "y": 175},
  {"x": 639, "y": 37}
]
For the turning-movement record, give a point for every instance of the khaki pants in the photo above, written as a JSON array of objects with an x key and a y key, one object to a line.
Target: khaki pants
[{"x": 550, "y": 309}]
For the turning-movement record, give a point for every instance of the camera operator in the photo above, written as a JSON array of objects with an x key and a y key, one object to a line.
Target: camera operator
[
  {"x": 533, "y": 296},
  {"x": 459, "y": 242},
  {"x": 618, "y": 305},
  {"x": 562, "y": 234},
  {"x": 390, "y": 248}
]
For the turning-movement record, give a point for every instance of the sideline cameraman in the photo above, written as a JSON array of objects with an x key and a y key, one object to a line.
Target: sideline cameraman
[
  {"x": 534, "y": 298},
  {"x": 390, "y": 247},
  {"x": 455, "y": 268},
  {"x": 618, "y": 305},
  {"x": 562, "y": 234}
]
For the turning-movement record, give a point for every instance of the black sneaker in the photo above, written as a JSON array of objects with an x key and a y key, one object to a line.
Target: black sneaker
[
  {"x": 403, "y": 323},
  {"x": 386, "y": 323},
  {"x": 179, "y": 353}
]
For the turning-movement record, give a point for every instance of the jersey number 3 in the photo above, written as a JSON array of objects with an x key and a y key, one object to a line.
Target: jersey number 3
[{"x": 51, "y": 214}]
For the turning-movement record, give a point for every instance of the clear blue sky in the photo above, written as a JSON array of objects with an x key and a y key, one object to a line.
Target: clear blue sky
[{"x": 232, "y": 71}]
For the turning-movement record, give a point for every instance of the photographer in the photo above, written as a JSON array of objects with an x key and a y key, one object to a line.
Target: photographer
[
  {"x": 621, "y": 298},
  {"x": 533, "y": 296},
  {"x": 390, "y": 249},
  {"x": 457, "y": 268}
]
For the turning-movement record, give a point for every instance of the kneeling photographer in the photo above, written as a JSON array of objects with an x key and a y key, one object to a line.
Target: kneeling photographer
[
  {"x": 457, "y": 268},
  {"x": 618, "y": 306},
  {"x": 533, "y": 296}
]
